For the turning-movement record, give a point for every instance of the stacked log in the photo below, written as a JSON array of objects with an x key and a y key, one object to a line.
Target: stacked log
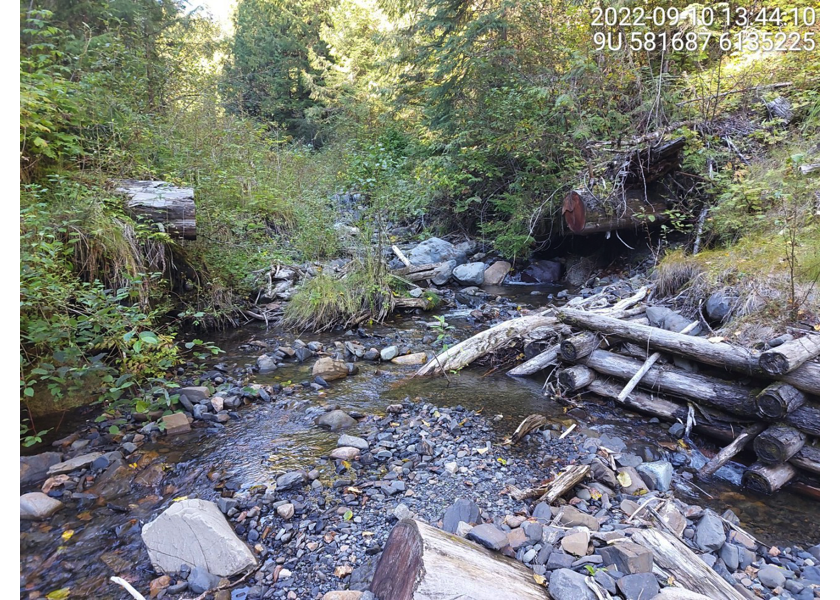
[{"x": 767, "y": 402}]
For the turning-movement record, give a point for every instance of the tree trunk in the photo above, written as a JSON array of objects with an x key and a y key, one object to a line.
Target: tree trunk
[
  {"x": 731, "y": 398},
  {"x": 671, "y": 558},
  {"x": 768, "y": 478},
  {"x": 460, "y": 355},
  {"x": 418, "y": 272},
  {"x": 423, "y": 563},
  {"x": 575, "y": 378},
  {"x": 777, "y": 444},
  {"x": 728, "y": 453},
  {"x": 579, "y": 346},
  {"x": 778, "y": 400},
  {"x": 733, "y": 358},
  {"x": 788, "y": 356}
]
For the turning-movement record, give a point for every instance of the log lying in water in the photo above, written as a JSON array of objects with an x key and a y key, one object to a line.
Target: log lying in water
[
  {"x": 788, "y": 356},
  {"x": 163, "y": 203},
  {"x": 575, "y": 378},
  {"x": 732, "y": 398},
  {"x": 672, "y": 558},
  {"x": 768, "y": 478},
  {"x": 808, "y": 458},
  {"x": 460, "y": 355},
  {"x": 729, "y": 452},
  {"x": 779, "y": 399},
  {"x": 423, "y": 563},
  {"x": 536, "y": 364},
  {"x": 733, "y": 358},
  {"x": 778, "y": 444}
]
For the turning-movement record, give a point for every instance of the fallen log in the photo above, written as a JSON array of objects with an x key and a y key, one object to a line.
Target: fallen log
[
  {"x": 785, "y": 358},
  {"x": 806, "y": 419},
  {"x": 727, "y": 453},
  {"x": 423, "y": 563},
  {"x": 778, "y": 400},
  {"x": 401, "y": 256},
  {"x": 585, "y": 214},
  {"x": 418, "y": 272},
  {"x": 778, "y": 444},
  {"x": 579, "y": 346},
  {"x": 808, "y": 458},
  {"x": 564, "y": 482},
  {"x": 460, "y": 355},
  {"x": 162, "y": 203},
  {"x": 409, "y": 303},
  {"x": 733, "y": 358},
  {"x": 768, "y": 478},
  {"x": 536, "y": 364},
  {"x": 646, "y": 366},
  {"x": 575, "y": 378},
  {"x": 673, "y": 559},
  {"x": 735, "y": 399}
]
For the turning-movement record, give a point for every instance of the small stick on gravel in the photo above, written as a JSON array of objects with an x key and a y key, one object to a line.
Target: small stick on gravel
[{"x": 129, "y": 588}]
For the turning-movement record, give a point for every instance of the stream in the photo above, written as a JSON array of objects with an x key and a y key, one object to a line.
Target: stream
[{"x": 272, "y": 438}]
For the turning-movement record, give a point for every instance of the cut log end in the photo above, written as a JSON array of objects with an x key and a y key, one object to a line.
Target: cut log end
[
  {"x": 779, "y": 399},
  {"x": 777, "y": 444},
  {"x": 768, "y": 478}
]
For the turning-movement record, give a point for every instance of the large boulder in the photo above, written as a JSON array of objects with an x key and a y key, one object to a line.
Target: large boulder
[
  {"x": 330, "y": 369},
  {"x": 34, "y": 468},
  {"x": 195, "y": 533},
  {"x": 709, "y": 534},
  {"x": 335, "y": 420},
  {"x": 443, "y": 273},
  {"x": 542, "y": 271},
  {"x": 37, "y": 506},
  {"x": 434, "y": 250},
  {"x": 579, "y": 270},
  {"x": 496, "y": 273},
  {"x": 470, "y": 273}
]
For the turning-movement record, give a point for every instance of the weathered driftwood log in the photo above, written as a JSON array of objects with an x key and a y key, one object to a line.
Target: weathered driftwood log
[
  {"x": 528, "y": 424},
  {"x": 575, "y": 378},
  {"x": 418, "y": 272},
  {"x": 461, "y": 355},
  {"x": 785, "y": 358},
  {"x": 672, "y": 558},
  {"x": 163, "y": 203},
  {"x": 808, "y": 458},
  {"x": 646, "y": 366},
  {"x": 733, "y": 358},
  {"x": 423, "y": 563},
  {"x": 777, "y": 444},
  {"x": 727, "y": 453},
  {"x": 564, "y": 482},
  {"x": 729, "y": 397},
  {"x": 768, "y": 478},
  {"x": 408, "y": 303},
  {"x": 806, "y": 419},
  {"x": 779, "y": 399},
  {"x": 579, "y": 346},
  {"x": 536, "y": 364}
]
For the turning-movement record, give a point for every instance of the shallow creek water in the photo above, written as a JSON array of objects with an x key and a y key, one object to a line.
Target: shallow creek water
[{"x": 270, "y": 439}]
